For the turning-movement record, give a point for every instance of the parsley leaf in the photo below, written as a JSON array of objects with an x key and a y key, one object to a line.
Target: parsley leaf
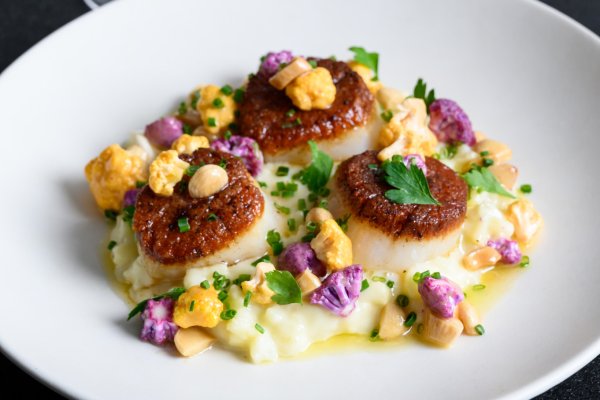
[
  {"x": 285, "y": 287},
  {"x": 174, "y": 294},
  {"x": 316, "y": 175},
  {"x": 410, "y": 183},
  {"x": 420, "y": 92},
  {"x": 369, "y": 60},
  {"x": 482, "y": 178}
]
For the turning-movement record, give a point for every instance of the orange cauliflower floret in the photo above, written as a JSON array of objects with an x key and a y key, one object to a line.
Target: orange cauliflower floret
[
  {"x": 216, "y": 109},
  {"x": 112, "y": 173},
  {"x": 332, "y": 246},
  {"x": 187, "y": 144},
  {"x": 367, "y": 75},
  {"x": 165, "y": 171},
  {"x": 198, "y": 307},
  {"x": 312, "y": 90},
  {"x": 407, "y": 132},
  {"x": 261, "y": 293}
]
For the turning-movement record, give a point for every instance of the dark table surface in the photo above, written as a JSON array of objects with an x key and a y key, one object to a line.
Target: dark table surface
[{"x": 25, "y": 22}]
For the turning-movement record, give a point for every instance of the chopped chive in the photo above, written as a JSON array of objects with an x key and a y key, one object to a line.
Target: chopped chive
[
  {"x": 387, "y": 115},
  {"x": 390, "y": 284},
  {"x": 227, "y": 135},
  {"x": 301, "y": 204},
  {"x": 192, "y": 169},
  {"x": 205, "y": 284},
  {"x": 311, "y": 226},
  {"x": 282, "y": 170},
  {"x": 128, "y": 213},
  {"x": 524, "y": 262},
  {"x": 410, "y": 319},
  {"x": 274, "y": 240},
  {"x": 212, "y": 122},
  {"x": 378, "y": 279},
  {"x": 187, "y": 130},
  {"x": 484, "y": 153},
  {"x": 282, "y": 209},
  {"x": 323, "y": 204},
  {"x": 436, "y": 275},
  {"x": 227, "y": 90},
  {"x": 291, "y": 223},
  {"x": 312, "y": 63},
  {"x": 228, "y": 314},
  {"x": 259, "y": 328},
  {"x": 280, "y": 185},
  {"x": 402, "y": 300},
  {"x": 374, "y": 336},
  {"x": 262, "y": 184},
  {"x": 298, "y": 175},
  {"x": 373, "y": 166},
  {"x": 478, "y": 287},
  {"x": 223, "y": 295},
  {"x": 140, "y": 184},
  {"x": 308, "y": 237},
  {"x": 416, "y": 277},
  {"x": 343, "y": 222},
  {"x": 298, "y": 121},
  {"x": 479, "y": 329},
  {"x": 223, "y": 163},
  {"x": 487, "y": 162},
  {"x": 264, "y": 258},
  {"x": 111, "y": 245},
  {"x": 218, "y": 103},
  {"x": 111, "y": 214},
  {"x": 238, "y": 95},
  {"x": 364, "y": 285},
  {"x": 182, "y": 108},
  {"x": 195, "y": 98},
  {"x": 192, "y": 305},
  {"x": 242, "y": 278},
  {"x": 290, "y": 113},
  {"x": 275, "y": 193},
  {"x": 220, "y": 281},
  {"x": 212, "y": 217},
  {"x": 247, "y": 298},
  {"x": 526, "y": 188},
  {"x": 183, "y": 224}
]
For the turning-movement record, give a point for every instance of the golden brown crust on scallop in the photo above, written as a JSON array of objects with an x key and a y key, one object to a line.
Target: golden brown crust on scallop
[{"x": 362, "y": 191}]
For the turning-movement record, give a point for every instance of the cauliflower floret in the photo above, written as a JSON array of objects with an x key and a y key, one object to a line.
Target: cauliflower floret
[
  {"x": 198, "y": 307},
  {"x": 407, "y": 132},
  {"x": 113, "y": 173},
  {"x": 367, "y": 76},
  {"x": 216, "y": 109},
  {"x": 165, "y": 171},
  {"x": 332, "y": 246},
  {"x": 187, "y": 144},
  {"x": 312, "y": 90},
  {"x": 527, "y": 221},
  {"x": 261, "y": 293}
]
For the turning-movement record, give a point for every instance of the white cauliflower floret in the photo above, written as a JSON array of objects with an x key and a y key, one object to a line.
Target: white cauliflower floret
[{"x": 165, "y": 171}]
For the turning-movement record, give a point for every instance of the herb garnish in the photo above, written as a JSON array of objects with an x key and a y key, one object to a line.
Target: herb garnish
[
  {"x": 264, "y": 258},
  {"x": 174, "y": 294},
  {"x": 227, "y": 90},
  {"x": 285, "y": 287},
  {"x": 364, "y": 285},
  {"x": 183, "y": 224},
  {"x": 420, "y": 92},
  {"x": 259, "y": 328},
  {"x": 369, "y": 60},
  {"x": 274, "y": 240},
  {"x": 387, "y": 115},
  {"x": 410, "y": 184},
  {"x": 316, "y": 175},
  {"x": 481, "y": 178},
  {"x": 343, "y": 222}
]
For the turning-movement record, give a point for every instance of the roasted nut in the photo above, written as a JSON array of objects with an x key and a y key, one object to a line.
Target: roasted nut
[
  {"x": 506, "y": 174},
  {"x": 318, "y": 215},
  {"x": 391, "y": 324},
  {"x": 441, "y": 331},
  {"x": 481, "y": 258},
  {"x": 191, "y": 341},
  {"x": 208, "y": 180},
  {"x": 527, "y": 221},
  {"x": 332, "y": 246},
  {"x": 496, "y": 151},
  {"x": 308, "y": 282},
  {"x": 468, "y": 316},
  {"x": 285, "y": 76}
]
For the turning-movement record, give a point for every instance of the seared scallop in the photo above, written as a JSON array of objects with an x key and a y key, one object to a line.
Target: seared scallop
[
  {"x": 391, "y": 236},
  {"x": 226, "y": 227},
  {"x": 348, "y": 127}
]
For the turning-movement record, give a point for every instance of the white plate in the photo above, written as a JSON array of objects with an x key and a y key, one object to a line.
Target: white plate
[{"x": 526, "y": 74}]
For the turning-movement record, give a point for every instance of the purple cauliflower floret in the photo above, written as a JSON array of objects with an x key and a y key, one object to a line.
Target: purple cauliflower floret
[
  {"x": 130, "y": 197},
  {"x": 164, "y": 132},
  {"x": 158, "y": 321},
  {"x": 417, "y": 159},
  {"x": 508, "y": 249},
  {"x": 441, "y": 296},
  {"x": 270, "y": 63},
  {"x": 297, "y": 257},
  {"x": 450, "y": 123},
  {"x": 340, "y": 290},
  {"x": 245, "y": 148}
]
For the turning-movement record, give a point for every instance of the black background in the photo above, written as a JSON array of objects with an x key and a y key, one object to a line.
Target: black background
[{"x": 24, "y": 22}]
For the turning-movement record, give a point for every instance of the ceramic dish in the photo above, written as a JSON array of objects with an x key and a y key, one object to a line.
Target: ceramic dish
[{"x": 534, "y": 85}]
